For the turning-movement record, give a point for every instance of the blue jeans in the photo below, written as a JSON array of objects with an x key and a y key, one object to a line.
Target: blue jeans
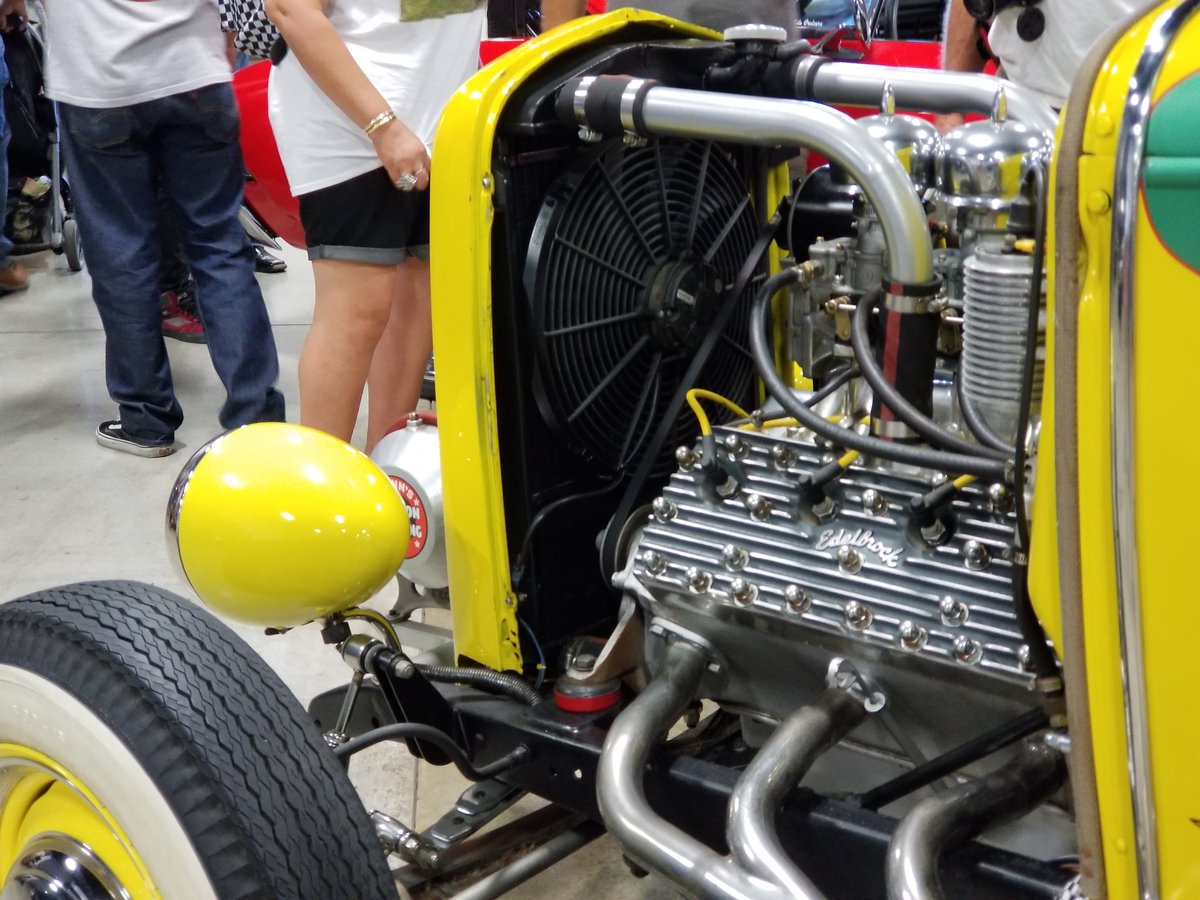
[
  {"x": 6, "y": 246},
  {"x": 117, "y": 159}
]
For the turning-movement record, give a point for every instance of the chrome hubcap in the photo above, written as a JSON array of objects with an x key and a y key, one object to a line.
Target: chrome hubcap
[{"x": 57, "y": 867}]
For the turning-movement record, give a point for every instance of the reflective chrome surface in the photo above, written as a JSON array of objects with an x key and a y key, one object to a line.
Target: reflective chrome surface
[
  {"x": 981, "y": 164},
  {"x": 924, "y": 90},
  {"x": 765, "y": 121},
  {"x": 1131, "y": 145},
  {"x": 57, "y": 867}
]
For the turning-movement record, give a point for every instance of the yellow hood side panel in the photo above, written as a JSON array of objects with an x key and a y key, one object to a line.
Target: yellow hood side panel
[
  {"x": 483, "y": 607},
  {"x": 1166, "y": 317}
]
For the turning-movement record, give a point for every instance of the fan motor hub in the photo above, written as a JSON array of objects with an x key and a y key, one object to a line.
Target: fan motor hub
[{"x": 682, "y": 297}]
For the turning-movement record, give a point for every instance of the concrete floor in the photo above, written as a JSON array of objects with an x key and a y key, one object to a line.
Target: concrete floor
[{"x": 73, "y": 511}]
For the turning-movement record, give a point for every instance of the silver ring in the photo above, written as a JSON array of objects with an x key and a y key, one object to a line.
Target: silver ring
[{"x": 406, "y": 182}]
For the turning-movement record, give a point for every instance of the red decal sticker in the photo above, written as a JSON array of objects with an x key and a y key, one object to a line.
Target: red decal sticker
[{"x": 418, "y": 522}]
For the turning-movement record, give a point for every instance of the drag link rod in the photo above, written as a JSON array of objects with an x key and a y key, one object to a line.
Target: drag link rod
[
  {"x": 776, "y": 769},
  {"x": 939, "y": 824}
]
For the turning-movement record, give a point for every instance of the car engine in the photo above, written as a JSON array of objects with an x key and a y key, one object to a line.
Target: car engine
[{"x": 810, "y": 489}]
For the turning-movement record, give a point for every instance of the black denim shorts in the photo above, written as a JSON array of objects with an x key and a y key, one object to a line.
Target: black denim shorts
[{"x": 366, "y": 219}]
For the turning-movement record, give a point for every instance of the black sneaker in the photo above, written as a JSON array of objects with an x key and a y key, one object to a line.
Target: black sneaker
[{"x": 110, "y": 434}]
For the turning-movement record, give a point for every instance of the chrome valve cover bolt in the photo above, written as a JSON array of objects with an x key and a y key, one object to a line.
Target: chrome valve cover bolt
[
  {"x": 664, "y": 509},
  {"x": 874, "y": 503},
  {"x": 912, "y": 635},
  {"x": 967, "y": 651},
  {"x": 734, "y": 557},
  {"x": 759, "y": 506},
  {"x": 1023, "y": 656},
  {"x": 698, "y": 580},
  {"x": 742, "y": 591},
  {"x": 976, "y": 556},
  {"x": 735, "y": 446},
  {"x": 783, "y": 456},
  {"x": 953, "y": 612},
  {"x": 798, "y": 600},
  {"x": 858, "y": 616},
  {"x": 849, "y": 560},
  {"x": 686, "y": 457},
  {"x": 654, "y": 562},
  {"x": 1001, "y": 498}
]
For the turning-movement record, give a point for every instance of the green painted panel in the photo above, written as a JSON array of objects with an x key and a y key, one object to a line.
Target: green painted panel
[{"x": 1171, "y": 175}]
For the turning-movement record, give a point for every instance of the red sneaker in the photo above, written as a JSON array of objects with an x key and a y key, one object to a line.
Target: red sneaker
[{"x": 180, "y": 319}]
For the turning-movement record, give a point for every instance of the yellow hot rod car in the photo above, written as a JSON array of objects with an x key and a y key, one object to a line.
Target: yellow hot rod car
[{"x": 816, "y": 536}]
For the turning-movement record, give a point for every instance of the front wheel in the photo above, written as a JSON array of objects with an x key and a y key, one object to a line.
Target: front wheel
[
  {"x": 73, "y": 245},
  {"x": 147, "y": 752}
]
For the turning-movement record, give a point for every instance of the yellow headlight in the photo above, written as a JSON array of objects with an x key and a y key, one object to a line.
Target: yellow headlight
[{"x": 277, "y": 525}]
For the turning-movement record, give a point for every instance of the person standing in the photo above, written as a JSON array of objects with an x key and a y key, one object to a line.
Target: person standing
[
  {"x": 145, "y": 101},
  {"x": 1038, "y": 45},
  {"x": 354, "y": 104},
  {"x": 13, "y": 276}
]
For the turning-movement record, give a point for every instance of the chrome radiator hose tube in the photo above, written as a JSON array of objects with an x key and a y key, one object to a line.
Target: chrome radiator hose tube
[
  {"x": 926, "y": 90},
  {"x": 778, "y": 767},
  {"x": 611, "y": 105},
  {"x": 643, "y": 835},
  {"x": 936, "y": 825}
]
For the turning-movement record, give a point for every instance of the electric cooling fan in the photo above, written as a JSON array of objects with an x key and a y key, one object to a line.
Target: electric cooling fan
[{"x": 633, "y": 251}]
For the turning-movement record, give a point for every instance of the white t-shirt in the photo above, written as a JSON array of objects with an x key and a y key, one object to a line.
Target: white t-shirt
[
  {"x": 417, "y": 63},
  {"x": 106, "y": 53},
  {"x": 720, "y": 14},
  {"x": 1048, "y": 65}
]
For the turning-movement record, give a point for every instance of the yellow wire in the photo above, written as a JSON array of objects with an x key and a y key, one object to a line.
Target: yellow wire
[
  {"x": 379, "y": 620},
  {"x": 695, "y": 395},
  {"x": 963, "y": 480},
  {"x": 848, "y": 458}
]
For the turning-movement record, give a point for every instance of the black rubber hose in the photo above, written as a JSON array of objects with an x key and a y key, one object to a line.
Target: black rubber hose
[
  {"x": 975, "y": 423},
  {"x": 841, "y": 378},
  {"x": 894, "y": 400},
  {"x": 963, "y": 755},
  {"x": 485, "y": 680},
  {"x": 1031, "y": 327},
  {"x": 760, "y": 350},
  {"x": 403, "y": 731}
]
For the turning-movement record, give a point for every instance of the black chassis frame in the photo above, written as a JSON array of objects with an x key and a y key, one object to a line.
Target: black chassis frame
[{"x": 841, "y": 846}]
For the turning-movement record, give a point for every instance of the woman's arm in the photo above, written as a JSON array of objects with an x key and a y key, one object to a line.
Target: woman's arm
[
  {"x": 556, "y": 12},
  {"x": 320, "y": 50}
]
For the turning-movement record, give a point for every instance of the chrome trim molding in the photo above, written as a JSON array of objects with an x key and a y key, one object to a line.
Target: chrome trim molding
[{"x": 1131, "y": 147}]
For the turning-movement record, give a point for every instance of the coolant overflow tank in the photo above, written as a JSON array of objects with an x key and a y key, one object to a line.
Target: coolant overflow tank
[{"x": 410, "y": 455}]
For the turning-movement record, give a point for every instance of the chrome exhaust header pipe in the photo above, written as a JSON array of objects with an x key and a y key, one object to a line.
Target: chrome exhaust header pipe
[
  {"x": 778, "y": 767},
  {"x": 643, "y": 835},
  {"x": 940, "y": 823},
  {"x": 759, "y": 868}
]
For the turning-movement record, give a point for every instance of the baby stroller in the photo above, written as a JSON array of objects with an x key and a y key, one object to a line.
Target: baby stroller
[{"x": 39, "y": 215}]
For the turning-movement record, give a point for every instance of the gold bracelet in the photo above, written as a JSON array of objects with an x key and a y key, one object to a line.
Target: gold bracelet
[{"x": 379, "y": 121}]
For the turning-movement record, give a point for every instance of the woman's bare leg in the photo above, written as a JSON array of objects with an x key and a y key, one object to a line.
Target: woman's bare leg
[
  {"x": 353, "y": 305},
  {"x": 398, "y": 367}
]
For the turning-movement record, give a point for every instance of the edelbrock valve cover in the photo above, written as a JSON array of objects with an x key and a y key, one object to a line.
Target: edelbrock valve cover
[{"x": 863, "y": 572}]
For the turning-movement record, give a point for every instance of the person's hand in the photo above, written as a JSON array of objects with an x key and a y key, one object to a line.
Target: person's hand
[
  {"x": 10, "y": 9},
  {"x": 402, "y": 154}
]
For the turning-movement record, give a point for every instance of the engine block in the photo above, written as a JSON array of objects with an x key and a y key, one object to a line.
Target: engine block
[{"x": 856, "y": 567}]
